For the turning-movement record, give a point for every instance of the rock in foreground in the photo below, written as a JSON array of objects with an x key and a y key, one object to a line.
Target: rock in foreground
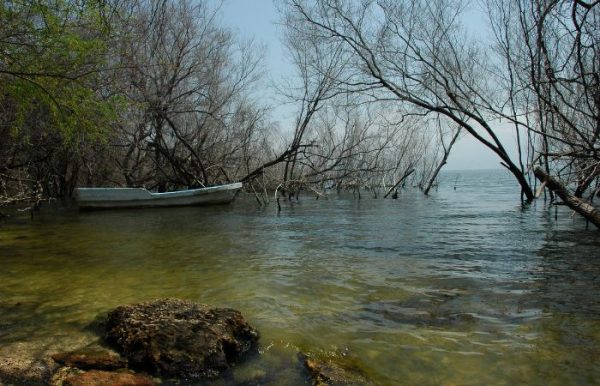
[
  {"x": 26, "y": 371},
  {"x": 103, "y": 378},
  {"x": 90, "y": 360},
  {"x": 177, "y": 338},
  {"x": 329, "y": 373}
]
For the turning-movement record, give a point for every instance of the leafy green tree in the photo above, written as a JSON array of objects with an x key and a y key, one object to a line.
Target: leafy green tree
[{"x": 53, "y": 97}]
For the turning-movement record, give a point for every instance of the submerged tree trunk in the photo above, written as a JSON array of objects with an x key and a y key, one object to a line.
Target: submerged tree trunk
[{"x": 579, "y": 205}]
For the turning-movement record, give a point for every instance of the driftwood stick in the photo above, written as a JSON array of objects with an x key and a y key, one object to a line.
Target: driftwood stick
[{"x": 584, "y": 208}]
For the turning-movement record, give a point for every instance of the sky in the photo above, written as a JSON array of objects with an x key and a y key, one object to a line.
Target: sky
[{"x": 258, "y": 19}]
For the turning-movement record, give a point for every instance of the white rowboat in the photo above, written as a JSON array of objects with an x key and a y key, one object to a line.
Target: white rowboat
[{"x": 142, "y": 198}]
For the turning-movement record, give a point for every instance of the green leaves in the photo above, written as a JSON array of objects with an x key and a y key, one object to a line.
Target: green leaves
[{"x": 52, "y": 57}]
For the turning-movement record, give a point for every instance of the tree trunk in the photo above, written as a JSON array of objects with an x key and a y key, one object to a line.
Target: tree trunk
[
  {"x": 580, "y": 206},
  {"x": 435, "y": 174}
]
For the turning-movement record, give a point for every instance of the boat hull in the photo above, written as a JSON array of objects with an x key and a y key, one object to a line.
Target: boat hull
[{"x": 107, "y": 198}]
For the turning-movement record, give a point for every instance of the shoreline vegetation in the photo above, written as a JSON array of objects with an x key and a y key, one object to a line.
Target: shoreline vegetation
[{"x": 161, "y": 95}]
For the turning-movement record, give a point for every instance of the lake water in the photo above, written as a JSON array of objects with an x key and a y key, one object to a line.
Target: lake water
[{"x": 464, "y": 287}]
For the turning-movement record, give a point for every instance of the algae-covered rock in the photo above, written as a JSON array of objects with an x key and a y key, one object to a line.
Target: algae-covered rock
[
  {"x": 26, "y": 371},
  {"x": 177, "y": 338},
  {"x": 103, "y": 378},
  {"x": 89, "y": 359},
  {"x": 332, "y": 373}
]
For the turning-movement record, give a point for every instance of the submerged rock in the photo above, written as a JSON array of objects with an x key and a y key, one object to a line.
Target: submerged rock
[
  {"x": 331, "y": 373},
  {"x": 103, "y": 378},
  {"x": 439, "y": 309},
  {"x": 177, "y": 338},
  {"x": 26, "y": 371},
  {"x": 91, "y": 359}
]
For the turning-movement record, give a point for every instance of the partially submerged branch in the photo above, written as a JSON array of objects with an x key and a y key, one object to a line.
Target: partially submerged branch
[
  {"x": 584, "y": 208},
  {"x": 404, "y": 177}
]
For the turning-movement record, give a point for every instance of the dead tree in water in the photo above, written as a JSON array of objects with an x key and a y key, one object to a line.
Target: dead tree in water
[
  {"x": 551, "y": 77},
  {"x": 415, "y": 53},
  {"x": 579, "y": 205},
  {"x": 446, "y": 148}
]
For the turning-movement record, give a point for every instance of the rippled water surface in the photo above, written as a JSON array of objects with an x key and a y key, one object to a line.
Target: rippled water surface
[{"x": 462, "y": 287}]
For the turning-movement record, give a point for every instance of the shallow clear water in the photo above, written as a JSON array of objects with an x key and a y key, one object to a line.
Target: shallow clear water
[{"x": 462, "y": 287}]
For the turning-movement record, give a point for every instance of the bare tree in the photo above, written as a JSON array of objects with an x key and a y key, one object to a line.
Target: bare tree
[
  {"x": 340, "y": 138},
  {"x": 191, "y": 81},
  {"x": 317, "y": 67},
  {"x": 358, "y": 147},
  {"x": 416, "y": 53},
  {"x": 447, "y": 137},
  {"x": 552, "y": 85}
]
